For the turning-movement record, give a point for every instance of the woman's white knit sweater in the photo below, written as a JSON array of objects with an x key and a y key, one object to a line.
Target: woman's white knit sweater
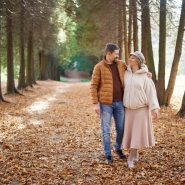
[{"x": 139, "y": 90}]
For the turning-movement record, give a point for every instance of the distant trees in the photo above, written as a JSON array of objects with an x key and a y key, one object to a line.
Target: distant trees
[
  {"x": 29, "y": 28},
  {"x": 32, "y": 28},
  {"x": 83, "y": 62}
]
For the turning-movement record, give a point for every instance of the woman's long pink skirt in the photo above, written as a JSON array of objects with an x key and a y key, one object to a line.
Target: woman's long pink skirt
[{"x": 138, "y": 132}]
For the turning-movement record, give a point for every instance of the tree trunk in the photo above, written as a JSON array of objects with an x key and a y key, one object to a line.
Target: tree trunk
[
  {"x": 162, "y": 53},
  {"x": 1, "y": 95},
  {"x": 43, "y": 73},
  {"x": 22, "y": 78},
  {"x": 46, "y": 66},
  {"x": 55, "y": 72},
  {"x": 181, "y": 112},
  {"x": 50, "y": 67},
  {"x": 39, "y": 64},
  {"x": 33, "y": 67},
  {"x": 120, "y": 30},
  {"x": 29, "y": 58},
  {"x": 10, "y": 65},
  {"x": 151, "y": 65},
  {"x": 144, "y": 30},
  {"x": 135, "y": 25},
  {"x": 147, "y": 38},
  {"x": 55, "y": 69},
  {"x": 130, "y": 27},
  {"x": 125, "y": 31},
  {"x": 58, "y": 73},
  {"x": 177, "y": 55}
]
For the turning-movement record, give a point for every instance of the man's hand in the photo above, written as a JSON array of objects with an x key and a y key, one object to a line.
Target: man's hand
[
  {"x": 97, "y": 109},
  {"x": 149, "y": 74},
  {"x": 155, "y": 113}
]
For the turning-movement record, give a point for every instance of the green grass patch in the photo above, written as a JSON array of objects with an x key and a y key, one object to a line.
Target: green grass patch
[
  {"x": 84, "y": 80},
  {"x": 63, "y": 79}
]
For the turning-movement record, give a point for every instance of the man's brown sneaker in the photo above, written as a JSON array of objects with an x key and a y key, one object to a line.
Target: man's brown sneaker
[{"x": 120, "y": 154}]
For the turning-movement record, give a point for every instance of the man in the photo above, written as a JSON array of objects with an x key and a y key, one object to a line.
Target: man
[{"x": 107, "y": 96}]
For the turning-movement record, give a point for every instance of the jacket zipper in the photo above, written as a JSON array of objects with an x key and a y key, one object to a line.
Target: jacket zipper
[
  {"x": 130, "y": 88},
  {"x": 112, "y": 80}
]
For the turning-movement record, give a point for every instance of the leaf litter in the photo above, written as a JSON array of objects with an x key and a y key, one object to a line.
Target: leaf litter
[{"x": 52, "y": 136}]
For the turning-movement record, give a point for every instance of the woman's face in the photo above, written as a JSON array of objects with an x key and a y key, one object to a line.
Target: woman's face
[{"x": 133, "y": 61}]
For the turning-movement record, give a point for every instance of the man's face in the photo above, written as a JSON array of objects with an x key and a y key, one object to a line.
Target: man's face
[{"x": 114, "y": 56}]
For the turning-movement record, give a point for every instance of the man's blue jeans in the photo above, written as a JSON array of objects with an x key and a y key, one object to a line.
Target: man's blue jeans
[{"x": 106, "y": 112}]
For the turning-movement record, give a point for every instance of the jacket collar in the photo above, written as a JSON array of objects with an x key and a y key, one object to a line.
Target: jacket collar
[
  {"x": 105, "y": 61},
  {"x": 144, "y": 69}
]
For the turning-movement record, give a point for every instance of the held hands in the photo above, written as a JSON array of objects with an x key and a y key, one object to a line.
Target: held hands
[
  {"x": 97, "y": 109},
  {"x": 155, "y": 113}
]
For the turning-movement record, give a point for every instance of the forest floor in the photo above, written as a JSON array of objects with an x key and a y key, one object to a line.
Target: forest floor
[{"x": 51, "y": 136}]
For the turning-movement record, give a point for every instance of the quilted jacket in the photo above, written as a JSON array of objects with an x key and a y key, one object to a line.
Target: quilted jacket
[{"x": 102, "y": 82}]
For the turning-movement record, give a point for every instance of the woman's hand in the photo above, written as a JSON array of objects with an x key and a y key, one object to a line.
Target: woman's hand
[
  {"x": 155, "y": 113},
  {"x": 149, "y": 74}
]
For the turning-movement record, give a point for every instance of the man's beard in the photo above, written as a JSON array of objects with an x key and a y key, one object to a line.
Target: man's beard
[{"x": 116, "y": 59}]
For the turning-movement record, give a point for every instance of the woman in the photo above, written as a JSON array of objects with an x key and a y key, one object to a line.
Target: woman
[{"x": 139, "y": 100}]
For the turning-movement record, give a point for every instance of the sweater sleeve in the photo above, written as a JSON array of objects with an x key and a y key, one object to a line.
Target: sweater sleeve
[
  {"x": 95, "y": 82},
  {"x": 151, "y": 94}
]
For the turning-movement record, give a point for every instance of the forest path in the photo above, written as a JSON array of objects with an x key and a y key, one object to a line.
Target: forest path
[{"x": 52, "y": 136}]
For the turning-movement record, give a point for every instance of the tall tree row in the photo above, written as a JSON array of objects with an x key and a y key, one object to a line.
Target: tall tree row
[
  {"x": 28, "y": 29},
  {"x": 32, "y": 27}
]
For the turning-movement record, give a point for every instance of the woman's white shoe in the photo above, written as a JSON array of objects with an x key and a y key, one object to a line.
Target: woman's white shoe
[
  {"x": 130, "y": 164},
  {"x": 136, "y": 158}
]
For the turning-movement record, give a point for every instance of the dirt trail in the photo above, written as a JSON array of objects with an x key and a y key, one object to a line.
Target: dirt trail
[{"x": 52, "y": 136}]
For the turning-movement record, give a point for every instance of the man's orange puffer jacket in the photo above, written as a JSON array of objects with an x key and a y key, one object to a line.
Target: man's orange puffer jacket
[{"x": 102, "y": 82}]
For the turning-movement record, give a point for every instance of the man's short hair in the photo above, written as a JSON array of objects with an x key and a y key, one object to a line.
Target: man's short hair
[{"x": 111, "y": 48}]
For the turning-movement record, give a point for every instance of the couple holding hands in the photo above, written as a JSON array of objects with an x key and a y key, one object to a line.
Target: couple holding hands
[{"x": 128, "y": 94}]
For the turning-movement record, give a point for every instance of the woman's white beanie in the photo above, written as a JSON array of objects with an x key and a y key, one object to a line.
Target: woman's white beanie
[{"x": 140, "y": 56}]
